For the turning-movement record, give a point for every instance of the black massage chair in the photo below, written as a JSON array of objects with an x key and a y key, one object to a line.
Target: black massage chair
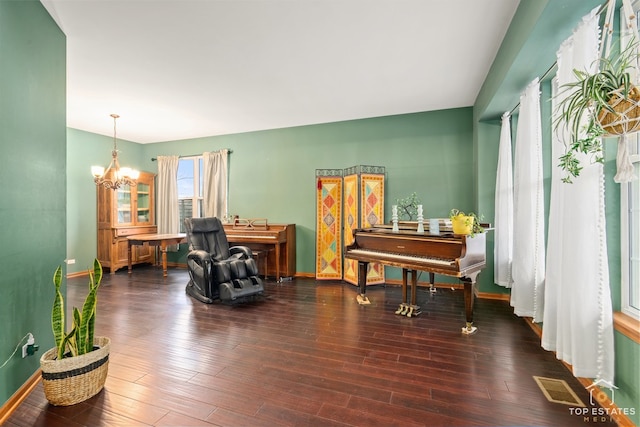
[{"x": 217, "y": 271}]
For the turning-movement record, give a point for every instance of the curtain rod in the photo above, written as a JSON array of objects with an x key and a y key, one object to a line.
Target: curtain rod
[
  {"x": 153, "y": 159},
  {"x": 546, "y": 73},
  {"x": 555, "y": 64}
]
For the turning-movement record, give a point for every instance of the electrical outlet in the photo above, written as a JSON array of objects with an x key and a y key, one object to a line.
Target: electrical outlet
[
  {"x": 30, "y": 347},
  {"x": 71, "y": 261}
]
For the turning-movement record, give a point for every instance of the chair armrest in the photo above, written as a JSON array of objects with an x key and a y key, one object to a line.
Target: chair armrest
[
  {"x": 199, "y": 256},
  {"x": 242, "y": 250}
]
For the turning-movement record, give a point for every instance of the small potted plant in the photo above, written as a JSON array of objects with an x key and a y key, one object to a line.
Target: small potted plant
[
  {"x": 604, "y": 103},
  {"x": 465, "y": 223},
  {"x": 76, "y": 368},
  {"x": 408, "y": 207}
]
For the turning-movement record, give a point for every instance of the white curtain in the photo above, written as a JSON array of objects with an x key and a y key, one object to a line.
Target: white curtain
[
  {"x": 628, "y": 37},
  {"x": 577, "y": 322},
  {"x": 503, "y": 221},
  {"x": 167, "y": 191},
  {"x": 215, "y": 183},
  {"x": 528, "y": 267}
]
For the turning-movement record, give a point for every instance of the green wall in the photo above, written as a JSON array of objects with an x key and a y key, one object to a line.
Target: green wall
[
  {"x": 33, "y": 177},
  {"x": 85, "y": 149},
  {"x": 272, "y": 173},
  {"x": 627, "y": 376}
]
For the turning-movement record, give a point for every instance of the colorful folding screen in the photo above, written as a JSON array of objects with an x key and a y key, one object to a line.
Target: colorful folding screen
[
  {"x": 329, "y": 224},
  {"x": 360, "y": 192}
]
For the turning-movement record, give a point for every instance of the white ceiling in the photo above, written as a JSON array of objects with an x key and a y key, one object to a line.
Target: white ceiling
[{"x": 178, "y": 69}]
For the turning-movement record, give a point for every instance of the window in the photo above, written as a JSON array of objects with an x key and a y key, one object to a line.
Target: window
[
  {"x": 630, "y": 228},
  {"x": 630, "y": 238},
  {"x": 190, "y": 188}
]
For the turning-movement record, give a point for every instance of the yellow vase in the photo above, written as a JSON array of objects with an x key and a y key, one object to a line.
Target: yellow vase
[{"x": 462, "y": 224}]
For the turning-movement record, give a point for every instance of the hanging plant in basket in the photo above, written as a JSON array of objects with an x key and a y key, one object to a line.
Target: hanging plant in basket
[
  {"x": 604, "y": 103},
  {"x": 601, "y": 104},
  {"x": 76, "y": 368}
]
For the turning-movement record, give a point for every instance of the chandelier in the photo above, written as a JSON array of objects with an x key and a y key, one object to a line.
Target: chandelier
[{"x": 119, "y": 176}]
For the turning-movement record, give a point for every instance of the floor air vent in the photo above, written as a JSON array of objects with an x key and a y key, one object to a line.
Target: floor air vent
[{"x": 558, "y": 391}]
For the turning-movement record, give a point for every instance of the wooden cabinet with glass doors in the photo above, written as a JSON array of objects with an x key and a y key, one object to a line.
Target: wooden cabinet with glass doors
[{"x": 124, "y": 212}]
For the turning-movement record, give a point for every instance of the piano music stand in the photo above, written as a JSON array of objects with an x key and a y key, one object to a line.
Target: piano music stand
[{"x": 251, "y": 223}]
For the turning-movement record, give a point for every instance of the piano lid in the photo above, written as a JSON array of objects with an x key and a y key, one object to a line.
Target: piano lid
[
  {"x": 444, "y": 225},
  {"x": 256, "y": 231},
  {"x": 407, "y": 229}
]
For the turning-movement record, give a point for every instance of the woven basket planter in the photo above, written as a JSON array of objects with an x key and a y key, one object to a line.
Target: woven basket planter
[
  {"x": 75, "y": 379},
  {"x": 626, "y": 118}
]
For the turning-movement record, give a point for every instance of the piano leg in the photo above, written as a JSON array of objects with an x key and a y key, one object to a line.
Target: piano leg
[
  {"x": 414, "y": 287},
  {"x": 403, "y": 308},
  {"x": 414, "y": 309},
  {"x": 469, "y": 295},
  {"x": 362, "y": 282},
  {"x": 432, "y": 280},
  {"x": 405, "y": 281}
]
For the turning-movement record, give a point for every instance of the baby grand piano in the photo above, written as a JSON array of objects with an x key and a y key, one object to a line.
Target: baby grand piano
[{"x": 447, "y": 253}]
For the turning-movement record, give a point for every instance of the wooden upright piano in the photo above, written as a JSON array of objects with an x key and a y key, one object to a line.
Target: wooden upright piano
[
  {"x": 277, "y": 241},
  {"x": 446, "y": 253}
]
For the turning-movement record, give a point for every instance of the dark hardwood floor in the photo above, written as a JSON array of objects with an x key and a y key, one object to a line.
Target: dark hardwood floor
[{"x": 307, "y": 355}]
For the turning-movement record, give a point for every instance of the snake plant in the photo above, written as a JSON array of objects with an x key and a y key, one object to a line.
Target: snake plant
[
  {"x": 80, "y": 339},
  {"x": 585, "y": 101}
]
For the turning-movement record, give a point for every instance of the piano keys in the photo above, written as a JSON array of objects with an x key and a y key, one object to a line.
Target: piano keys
[
  {"x": 278, "y": 241},
  {"x": 447, "y": 254}
]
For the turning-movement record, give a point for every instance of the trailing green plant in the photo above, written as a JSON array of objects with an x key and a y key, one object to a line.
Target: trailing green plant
[
  {"x": 79, "y": 340},
  {"x": 586, "y": 101},
  {"x": 408, "y": 206},
  {"x": 476, "y": 227},
  {"x": 590, "y": 145}
]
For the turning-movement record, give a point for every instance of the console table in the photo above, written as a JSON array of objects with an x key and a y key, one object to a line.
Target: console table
[{"x": 161, "y": 240}]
